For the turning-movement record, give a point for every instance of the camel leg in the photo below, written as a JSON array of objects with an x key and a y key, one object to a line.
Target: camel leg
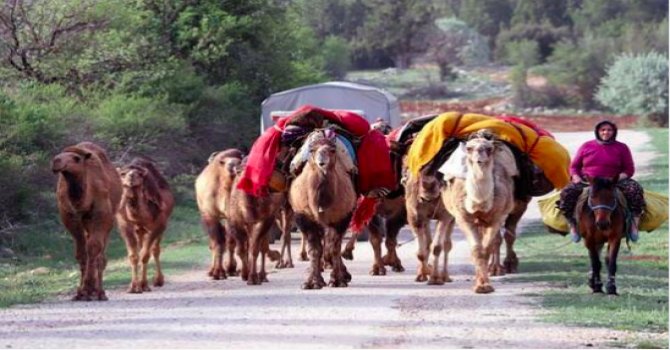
[
  {"x": 303, "y": 246},
  {"x": 447, "y": 248},
  {"x": 241, "y": 248},
  {"x": 94, "y": 261},
  {"x": 339, "y": 277},
  {"x": 229, "y": 262},
  {"x": 77, "y": 231},
  {"x": 348, "y": 251},
  {"x": 159, "y": 279},
  {"x": 145, "y": 254},
  {"x": 133, "y": 248},
  {"x": 258, "y": 233},
  {"x": 375, "y": 228},
  {"x": 393, "y": 226},
  {"x": 479, "y": 255},
  {"x": 312, "y": 233},
  {"x": 286, "y": 261},
  {"x": 422, "y": 233},
  {"x": 495, "y": 267},
  {"x": 443, "y": 233},
  {"x": 511, "y": 262},
  {"x": 217, "y": 237}
]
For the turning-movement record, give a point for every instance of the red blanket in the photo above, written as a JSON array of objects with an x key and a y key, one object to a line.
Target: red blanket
[{"x": 374, "y": 163}]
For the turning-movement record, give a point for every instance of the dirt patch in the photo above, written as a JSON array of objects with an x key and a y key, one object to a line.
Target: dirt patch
[
  {"x": 553, "y": 123},
  {"x": 642, "y": 257}
]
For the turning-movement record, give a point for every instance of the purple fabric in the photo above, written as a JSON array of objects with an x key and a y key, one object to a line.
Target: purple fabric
[{"x": 605, "y": 160}]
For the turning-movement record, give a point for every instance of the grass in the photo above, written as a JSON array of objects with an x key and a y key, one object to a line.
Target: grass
[
  {"x": 642, "y": 277},
  {"x": 45, "y": 264}
]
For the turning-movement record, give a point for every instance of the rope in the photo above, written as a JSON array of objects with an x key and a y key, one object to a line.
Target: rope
[{"x": 552, "y": 249}]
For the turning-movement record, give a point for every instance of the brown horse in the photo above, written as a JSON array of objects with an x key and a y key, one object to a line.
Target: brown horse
[{"x": 602, "y": 219}]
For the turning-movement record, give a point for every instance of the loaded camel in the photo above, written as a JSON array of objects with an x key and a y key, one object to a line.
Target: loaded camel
[{"x": 482, "y": 201}]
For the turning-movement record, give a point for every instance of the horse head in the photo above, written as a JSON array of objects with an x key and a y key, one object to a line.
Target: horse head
[{"x": 602, "y": 200}]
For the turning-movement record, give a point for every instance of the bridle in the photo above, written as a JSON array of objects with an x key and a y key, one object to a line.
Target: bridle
[{"x": 601, "y": 206}]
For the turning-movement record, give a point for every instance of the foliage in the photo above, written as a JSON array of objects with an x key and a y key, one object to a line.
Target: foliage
[
  {"x": 411, "y": 19},
  {"x": 487, "y": 17},
  {"x": 637, "y": 84},
  {"x": 337, "y": 57},
  {"x": 545, "y": 34},
  {"x": 457, "y": 44}
]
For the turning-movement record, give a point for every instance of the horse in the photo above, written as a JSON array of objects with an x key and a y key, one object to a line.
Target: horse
[{"x": 601, "y": 217}]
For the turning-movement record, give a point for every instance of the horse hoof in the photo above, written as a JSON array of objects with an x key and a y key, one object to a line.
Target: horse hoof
[{"x": 484, "y": 289}]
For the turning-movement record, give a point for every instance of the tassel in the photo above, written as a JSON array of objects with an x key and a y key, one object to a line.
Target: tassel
[{"x": 365, "y": 209}]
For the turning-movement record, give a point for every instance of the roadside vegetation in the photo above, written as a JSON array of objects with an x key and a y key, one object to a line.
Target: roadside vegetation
[{"x": 642, "y": 276}]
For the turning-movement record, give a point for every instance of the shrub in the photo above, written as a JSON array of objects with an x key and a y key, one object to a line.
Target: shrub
[
  {"x": 545, "y": 35},
  {"x": 337, "y": 57},
  {"x": 637, "y": 84}
]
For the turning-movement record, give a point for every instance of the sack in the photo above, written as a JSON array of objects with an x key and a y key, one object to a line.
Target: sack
[
  {"x": 552, "y": 217},
  {"x": 656, "y": 212}
]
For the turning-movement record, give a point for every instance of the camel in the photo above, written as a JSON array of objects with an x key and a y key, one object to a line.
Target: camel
[
  {"x": 508, "y": 233},
  {"x": 323, "y": 198},
  {"x": 212, "y": 189},
  {"x": 146, "y": 205},
  {"x": 423, "y": 203},
  {"x": 482, "y": 201},
  {"x": 248, "y": 220},
  {"x": 88, "y": 195}
]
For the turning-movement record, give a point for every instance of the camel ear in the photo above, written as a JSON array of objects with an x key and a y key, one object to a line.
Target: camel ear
[
  {"x": 211, "y": 156},
  {"x": 144, "y": 171}
]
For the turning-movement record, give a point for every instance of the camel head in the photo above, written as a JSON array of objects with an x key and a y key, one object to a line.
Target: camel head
[
  {"x": 429, "y": 187},
  {"x": 479, "y": 148},
  {"x": 323, "y": 154},
  {"x": 132, "y": 176},
  {"x": 70, "y": 161}
]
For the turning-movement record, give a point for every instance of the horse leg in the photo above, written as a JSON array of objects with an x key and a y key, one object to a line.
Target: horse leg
[
  {"x": 375, "y": 228},
  {"x": 217, "y": 238},
  {"x": 612, "y": 253},
  {"x": 393, "y": 226},
  {"x": 594, "y": 279}
]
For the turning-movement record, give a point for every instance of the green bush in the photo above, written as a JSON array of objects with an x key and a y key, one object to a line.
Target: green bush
[
  {"x": 545, "y": 35},
  {"x": 337, "y": 56},
  {"x": 471, "y": 48},
  {"x": 637, "y": 84}
]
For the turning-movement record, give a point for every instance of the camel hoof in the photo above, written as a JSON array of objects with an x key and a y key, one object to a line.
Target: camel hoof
[
  {"x": 337, "y": 284},
  {"x": 159, "y": 281},
  {"x": 347, "y": 254},
  {"x": 263, "y": 277},
  {"x": 484, "y": 289},
  {"x": 274, "y": 255},
  {"x": 497, "y": 270},
  {"x": 102, "y": 296},
  {"x": 435, "y": 281},
  {"x": 420, "y": 278},
  {"x": 447, "y": 279},
  {"x": 303, "y": 257},
  {"x": 398, "y": 268},
  {"x": 378, "y": 271}
]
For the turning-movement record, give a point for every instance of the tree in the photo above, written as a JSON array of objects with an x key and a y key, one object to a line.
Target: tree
[
  {"x": 398, "y": 28},
  {"x": 487, "y": 17},
  {"x": 455, "y": 44},
  {"x": 637, "y": 84}
]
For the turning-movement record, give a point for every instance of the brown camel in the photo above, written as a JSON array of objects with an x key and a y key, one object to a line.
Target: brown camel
[
  {"x": 248, "y": 221},
  {"x": 482, "y": 201},
  {"x": 423, "y": 204},
  {"x": 88, "y": 194},
  {"x": 146, "y": 205},
  {"x": 212, "y": 189},
  {"x": 323, "y": 198}
]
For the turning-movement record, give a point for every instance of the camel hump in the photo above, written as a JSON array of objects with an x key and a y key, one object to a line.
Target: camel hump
[
  {"x": 228, "y": 153},
  {"x": 91, "y": 148}
]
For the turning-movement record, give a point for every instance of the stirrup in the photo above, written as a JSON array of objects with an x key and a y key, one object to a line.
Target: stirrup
[
  {"x": 574, "y": 235},
  {"x": 633, "y": 235}
]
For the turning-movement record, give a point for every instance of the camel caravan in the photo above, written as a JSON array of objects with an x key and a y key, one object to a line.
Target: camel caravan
[{"x": 325, "y": 172}]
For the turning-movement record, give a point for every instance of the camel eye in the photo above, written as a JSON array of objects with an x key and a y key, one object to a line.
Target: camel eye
[
  {"x": 468, "y": 149},
  {"x": 331, "y": 151},
  {"x": 77, "y": 159}
]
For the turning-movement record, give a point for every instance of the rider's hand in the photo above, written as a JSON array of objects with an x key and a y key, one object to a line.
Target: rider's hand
[
  {"x": 576, "y": 179},
  {"x": 623, "y": 176}
]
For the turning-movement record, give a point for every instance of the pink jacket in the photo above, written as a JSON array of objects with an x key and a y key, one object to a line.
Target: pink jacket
[{"x": 605, "y": 160}]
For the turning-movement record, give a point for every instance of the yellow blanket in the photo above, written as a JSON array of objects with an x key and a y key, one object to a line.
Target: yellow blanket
[
  {"x": 544, "y": 151},
  {"x": 654, "y": 215}
]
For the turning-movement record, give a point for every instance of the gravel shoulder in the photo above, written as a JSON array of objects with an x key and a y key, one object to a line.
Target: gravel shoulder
[{"x": 389, "y": 311}]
